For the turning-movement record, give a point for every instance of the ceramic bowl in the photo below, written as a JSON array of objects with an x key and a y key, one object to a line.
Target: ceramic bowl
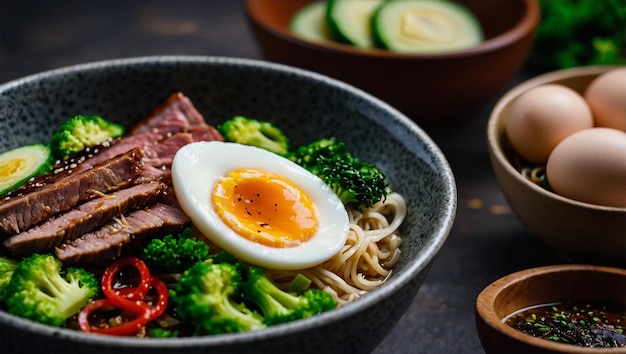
[
  {"x": 306, "y": 106},
  {"x": 432, "y": 89},
  {"x": 577, "y": 283},
  {"x": 578, "y": 231}
]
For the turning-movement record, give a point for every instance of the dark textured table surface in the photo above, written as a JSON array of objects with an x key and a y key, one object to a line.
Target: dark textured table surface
[{"x": 487, "y": 240}]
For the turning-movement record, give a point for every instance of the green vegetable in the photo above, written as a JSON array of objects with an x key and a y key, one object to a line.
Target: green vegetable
[
  {"x": 248, "y": 131},
  {"x": 42, "y": 290},
  {"x": 7, "y": 267},
  {"x": 223, "y": 257},
  {"x": 19, "y": 165},
  {"x": 307, "y": 156},
  {"x": 206, "y": 296},
  {"x": 174, "y": 254},
  {"x": 349, "y": 21},
  {"x": 575, "y": 33},
  {"x": 278, "y": 306},
  {"x": 299, "y": 284},
  {"x": 80, "y": 132},
  {"x": 425, "y": 26},
  {"x": 357, "y": 183},
  {"x": 310, "y": 23},
  {"x": 158, "y": 332}
]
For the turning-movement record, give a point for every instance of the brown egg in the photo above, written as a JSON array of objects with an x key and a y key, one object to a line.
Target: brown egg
[
  {"x": 542, "y": 117},
  {"x": 590, "y": 166},
  {"x": 606, "y": 96}
]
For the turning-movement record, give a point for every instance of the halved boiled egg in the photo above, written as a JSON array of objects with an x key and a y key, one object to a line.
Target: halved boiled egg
[{"x": 259, "y": 206}]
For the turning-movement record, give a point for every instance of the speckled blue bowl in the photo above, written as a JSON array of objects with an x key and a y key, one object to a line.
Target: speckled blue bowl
[{"x": 306, "y": 106}]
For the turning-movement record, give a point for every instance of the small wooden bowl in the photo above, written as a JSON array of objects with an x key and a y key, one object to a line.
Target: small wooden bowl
[{"x": 560, "y": 283}]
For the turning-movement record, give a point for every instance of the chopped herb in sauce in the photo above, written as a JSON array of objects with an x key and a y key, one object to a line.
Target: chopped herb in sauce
[{"x": 586, "y": 325}]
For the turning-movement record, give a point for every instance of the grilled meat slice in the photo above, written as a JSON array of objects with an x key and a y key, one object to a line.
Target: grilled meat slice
[
  {"x": 84, "y": 218},
  {"x": 19, "y": 213},
  {"x": 109, "y": 241},
  {"x": 177, "y": 113}
]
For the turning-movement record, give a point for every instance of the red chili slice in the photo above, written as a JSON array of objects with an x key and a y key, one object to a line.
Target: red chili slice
[
  {"x": 130, "y": 298},
  {"x": 162, "y": 292},
  {"x": 124, "y": 329},
  {"x": 131, "y": 293}
]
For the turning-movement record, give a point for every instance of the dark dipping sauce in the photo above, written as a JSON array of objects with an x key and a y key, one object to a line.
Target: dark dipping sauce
[{"x": 582, "y": 324}]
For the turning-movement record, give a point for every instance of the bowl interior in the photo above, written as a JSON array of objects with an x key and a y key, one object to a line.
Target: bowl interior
[
  {"x": 305, "y": 105},
  {"x": 543, "y": 285}
]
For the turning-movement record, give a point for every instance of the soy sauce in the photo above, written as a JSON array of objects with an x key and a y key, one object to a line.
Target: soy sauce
[{"x": 582, "y": 324}]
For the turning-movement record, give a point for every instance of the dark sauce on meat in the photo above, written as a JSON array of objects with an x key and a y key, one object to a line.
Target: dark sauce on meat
[{"x": 582, "y": 324}]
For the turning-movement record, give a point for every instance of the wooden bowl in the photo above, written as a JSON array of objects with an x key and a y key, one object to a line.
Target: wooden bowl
[
  {"x": 579, "y": 232},
  {"x": 432, "y": 89},
  {"x": 576, "y": 283}
]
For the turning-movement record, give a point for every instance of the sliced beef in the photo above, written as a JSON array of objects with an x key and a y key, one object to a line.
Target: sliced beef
[
  {"x": 155, "y": 174},
  {"x": 159, "y": 157},
  {"x": 108, "y": 242},
  {"x": 161, "y": 153},
  {"x": 121, "y": 146},
  {"x": 93, "y": 231},
  {"x": 66, "y": 168},
  {"x": 84, "y": 218},
  {"x": 158, "y": 153},
  {"x": 21, "y": 212},
  {"x": 175, "y": 114},
  {"x": 205, "y": 132}
]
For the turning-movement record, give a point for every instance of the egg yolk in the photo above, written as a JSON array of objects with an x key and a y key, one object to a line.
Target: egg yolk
[{"x": 264, "y": 208}]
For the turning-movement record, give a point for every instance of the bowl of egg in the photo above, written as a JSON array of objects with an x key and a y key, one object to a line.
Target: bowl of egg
[
  {"x": 188, "y": 204},
  {"x": 435, "y": 61},
  {"x": 556, "y": 144}
]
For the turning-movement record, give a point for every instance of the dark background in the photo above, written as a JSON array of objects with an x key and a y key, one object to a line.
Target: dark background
[{"x": 487, "y": 240}]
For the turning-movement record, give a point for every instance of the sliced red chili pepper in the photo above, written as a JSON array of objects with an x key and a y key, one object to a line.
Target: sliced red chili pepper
[
  {"x": 162, "y": 297},
  {"x": 131, "y": 293},
  {"x": 131, "y": 299},
  {"x": 124, "y": 329}
]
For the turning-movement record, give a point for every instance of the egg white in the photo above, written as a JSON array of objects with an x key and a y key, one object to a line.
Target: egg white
[{"x": 198, "y": 166}]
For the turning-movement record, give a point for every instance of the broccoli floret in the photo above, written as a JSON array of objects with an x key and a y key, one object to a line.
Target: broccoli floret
[
  {"x": 357, "y": 183},
  {"x": 223, "y": 257},
  {"x": 248, "y": 131},
  {"x": 80, "y": 132},
  {"x": 174, "y": 254},
  {"x": 206, "y": 297},
  {"x": 307, "y": 156},
  {"x": 7, "y": 267},
  {"x": 278, "y": 306},
  {"x": 42, "y": 290}
]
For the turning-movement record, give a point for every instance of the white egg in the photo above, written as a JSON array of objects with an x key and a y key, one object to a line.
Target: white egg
[{"x": 263, "y": 208}]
